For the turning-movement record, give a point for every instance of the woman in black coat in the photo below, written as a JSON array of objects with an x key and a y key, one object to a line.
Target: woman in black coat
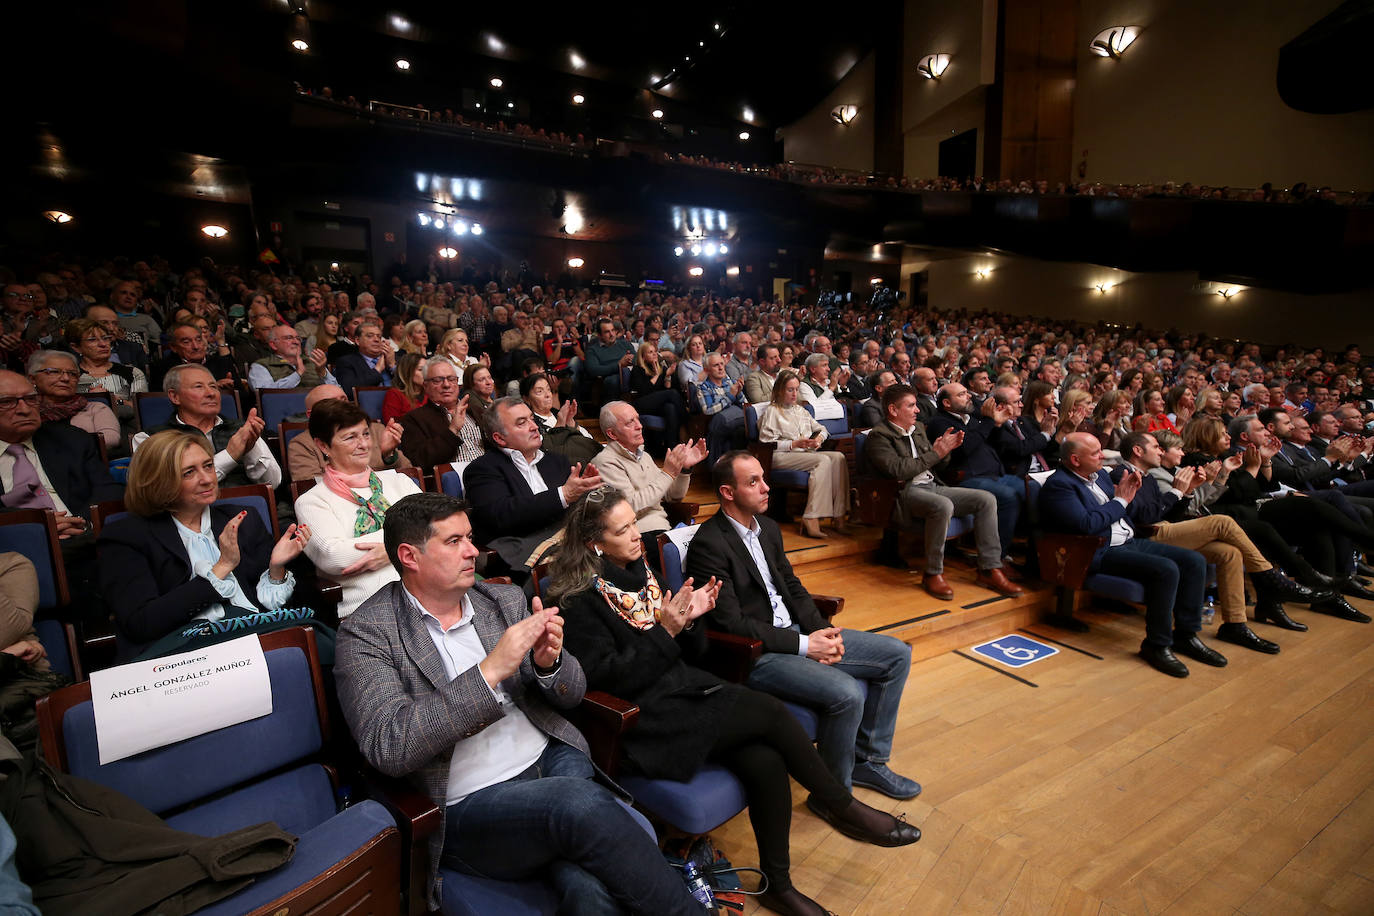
[
  {"x": 654, "y": 392},
  {"x": 149, "y": 576},
  {"x": 638, "y": 643}
]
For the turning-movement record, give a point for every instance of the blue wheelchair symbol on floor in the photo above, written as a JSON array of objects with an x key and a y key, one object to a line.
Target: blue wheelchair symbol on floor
[{"x": 1015, "y": 651}]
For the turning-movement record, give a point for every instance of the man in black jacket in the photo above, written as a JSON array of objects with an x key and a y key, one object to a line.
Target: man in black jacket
[
  {"x": 372, "y": 365},
  {"x": 518, "y": 491},
  {"x": 852, "y": 678}
]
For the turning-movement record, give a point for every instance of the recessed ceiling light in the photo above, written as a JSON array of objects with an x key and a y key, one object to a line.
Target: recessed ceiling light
[
  {"x": 577, "y": 60},
  {"x": 578, "y": 99},
  {"x": 402, "y": 64},
  {"x": 510, "y": 104},
  {"x": 744, "y": 135},
  {"x": 400, "y": 23},
  {"x": 701, "y": 44},
  {"x": 657, "y": 112},
  {"x": 717, "y": 26},
  {"x": 497, "y": 82}
]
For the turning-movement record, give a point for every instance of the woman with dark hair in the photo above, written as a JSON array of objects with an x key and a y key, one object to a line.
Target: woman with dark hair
[
  {"x": 347, "y": 507},
  {"x": 177, "y": 558},
  {"x": 639, "y": 643},
  {"x": 1111, "y": 419},
  {"x": 1149, "y": 412},
  {"x": 480, "y": 389},
  {"x": 1179, "y": 406},
  {"x": 407, "y": 387}
]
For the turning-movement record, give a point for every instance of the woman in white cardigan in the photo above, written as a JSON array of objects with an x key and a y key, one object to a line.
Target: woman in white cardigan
[
  {"x": 347, "y": 506},
  {"x": 799, "y": 437}
]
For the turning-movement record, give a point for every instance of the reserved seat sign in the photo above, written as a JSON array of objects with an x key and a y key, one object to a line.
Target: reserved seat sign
[{"x": 154, "y": 703}]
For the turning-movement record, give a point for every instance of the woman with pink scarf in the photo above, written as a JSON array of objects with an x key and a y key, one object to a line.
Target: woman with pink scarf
[{"x": 347, "y": 506}]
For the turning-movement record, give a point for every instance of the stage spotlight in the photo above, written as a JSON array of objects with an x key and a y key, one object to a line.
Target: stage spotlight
[
  {"x": 696, "y": 250},
  {"x": 477, "y": 229},
  {"x": 695, "y": 271},
  {"x": 424, "y": 219},
  {"x": 460, "y": 227},
  {"x": 438, "y": 222},
  {"x": 724, "y": 249},
  {"x": 678, "y": 251},
  {"x": 447, "y": 252},
  {"x": 710, "y": 249}
]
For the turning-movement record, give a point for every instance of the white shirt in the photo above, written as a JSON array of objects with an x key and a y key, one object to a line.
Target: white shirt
[
  {"x": 257, "y": 461},
  {"x": 1121, "y": 528},
  {"x": 504, "y": 748},
  {"x": 530, "y": 471},
  {"x": 7, "y": 473},
  {"x": 781, "y": 617}
]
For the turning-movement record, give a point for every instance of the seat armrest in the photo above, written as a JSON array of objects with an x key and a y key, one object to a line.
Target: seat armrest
[
  {"x": 602, "y": 719},
  {"x": 1065, "y": 558},
  {"x": 417, "y": 816},
  {"x": 730, "y": 657},
  {"x": 763, "y": 453},
  {"x": 681, "y": 511},
  {"x": 331, "y": 591},
  {"x": 874, "y": 498},
  {"x": 828, "y": 605}
]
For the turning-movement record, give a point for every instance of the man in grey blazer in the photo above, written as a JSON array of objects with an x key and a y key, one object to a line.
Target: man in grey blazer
[{"x": 458, "y": 686}]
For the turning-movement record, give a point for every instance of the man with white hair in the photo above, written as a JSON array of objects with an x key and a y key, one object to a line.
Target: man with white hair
[
  {"x": 624, "y": 464},
  {"x": 288, "y": 367}
]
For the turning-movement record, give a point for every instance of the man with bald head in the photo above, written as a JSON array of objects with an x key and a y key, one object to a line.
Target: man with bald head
[
  {"x": 1079, "y": 498},
  {"x": 305, "y": 461},
  {"x": 926, "y": 383}
]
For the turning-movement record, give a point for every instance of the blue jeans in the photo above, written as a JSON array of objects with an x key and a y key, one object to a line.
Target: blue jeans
[
  {"x": 1011, "y": 494},
  {"x": 1174, "y": 579},
  {"x": 856, "y": 698},
  {"x": 553, "y": 820}
]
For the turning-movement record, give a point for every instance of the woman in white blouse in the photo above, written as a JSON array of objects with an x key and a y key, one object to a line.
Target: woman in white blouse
[
  {"x": 799, "y": 437},
  {"x": 455, "y": 348},
  {"x": 347, "y": 506}
]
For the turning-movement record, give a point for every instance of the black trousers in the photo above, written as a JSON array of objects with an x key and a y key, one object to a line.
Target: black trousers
[
  {"x": 1276, "y": 550},
  {"x": 1327, "y": 535},
  {"x": 669, "y": 406},
  {"x": 762, "y": 743}
]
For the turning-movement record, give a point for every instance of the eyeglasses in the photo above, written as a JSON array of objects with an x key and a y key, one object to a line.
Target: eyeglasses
[
  {"x": 8, "y": 404},
  {"x": 598, "y": 496},
  {"x": 20, "y": 296},
  {"x": 59, "y": 373},
  {"x": 95, "y": 340},
  {"x": 443, "y": 380}
]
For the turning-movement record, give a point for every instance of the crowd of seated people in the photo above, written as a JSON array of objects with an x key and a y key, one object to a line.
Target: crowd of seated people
[{"x": 1176, "y": 451}]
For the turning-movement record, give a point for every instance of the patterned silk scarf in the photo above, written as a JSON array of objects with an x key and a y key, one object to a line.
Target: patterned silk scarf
[
  {"x": 640, "y": 609},
  {"x": 371, "y": 511}
]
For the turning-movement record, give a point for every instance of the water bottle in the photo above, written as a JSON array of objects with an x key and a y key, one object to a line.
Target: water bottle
[
  {"x": 697, "y": 885},
  {"x": 1209, "y": 611}
]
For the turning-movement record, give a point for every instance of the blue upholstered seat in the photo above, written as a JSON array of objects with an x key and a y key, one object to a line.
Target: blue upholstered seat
[{"x": 370, "y": 399}]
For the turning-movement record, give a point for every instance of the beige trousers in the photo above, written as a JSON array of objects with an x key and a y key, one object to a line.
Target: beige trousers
[
  {"x": 1219, "y": 539},
  {"x": 827, "y": 493}
]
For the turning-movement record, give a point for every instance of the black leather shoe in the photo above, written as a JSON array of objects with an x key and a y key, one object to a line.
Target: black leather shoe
[
  {"x": 1275, "y": 614},
  {"x": 1273, "y": 584},
  {"x": 1188, "y": 644},
  {"x": 1364, "y": 568},
  {"x": 1339, "y": 607},
  {"x": 1162, "y": 658},
  {"x": 1242, "y": 635},
  {"x": 1355, "y": 590},
  {"x": 1324, "y": 580},
  {"x": 900, "y": 834}
]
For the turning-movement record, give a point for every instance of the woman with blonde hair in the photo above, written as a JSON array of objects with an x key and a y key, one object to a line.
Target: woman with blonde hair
[
  {"x": 178, "y": 564},
  {"x": 798, "y": 439},
  {"x": 653, "y": 393},
  {"x": 456, "y": 348},
  {"x": 416, "y": 339}
]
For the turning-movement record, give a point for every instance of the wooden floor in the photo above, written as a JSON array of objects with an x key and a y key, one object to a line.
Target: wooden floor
[{"x": 1108, "y": 787}]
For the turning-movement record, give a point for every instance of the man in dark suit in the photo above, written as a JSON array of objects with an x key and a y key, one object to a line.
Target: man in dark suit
[
  {"x": 1079, "y": 498},
  {"x": 852, "y": 678},
  {"x": 54, "y": 466},
  {"x": 188, "y": 345},
  {"x": 372, "y": 365},
  {"x": 460, "y": 687},
  {"x": 1296, "y": 467},
  {"x": 871, "y": 412},
  {"x": 518, "y": 491}
]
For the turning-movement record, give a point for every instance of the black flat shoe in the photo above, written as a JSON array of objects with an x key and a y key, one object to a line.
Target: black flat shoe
[
  {"x": 900, "y": 834},
  {"x": 1339, "y": 607},
  {"x": 1273, "y": 584},
  {"x": 1242, "y": 635},
  {"x": 791, "y": 902},
  {"x": 1319, "y": 578},
  {"x": 1162, "y": 658},
  {"x": 1194, "y": 648},
  {"x": 1275, "y": 614}
]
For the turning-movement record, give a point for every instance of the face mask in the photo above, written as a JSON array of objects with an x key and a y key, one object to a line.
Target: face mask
[{"x": 1153, "y": 352}]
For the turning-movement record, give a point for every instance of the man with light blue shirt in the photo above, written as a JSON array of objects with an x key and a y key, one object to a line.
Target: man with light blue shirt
[
  {"x": 460, "y": 687},
  {"x": 852, "y": 679}
]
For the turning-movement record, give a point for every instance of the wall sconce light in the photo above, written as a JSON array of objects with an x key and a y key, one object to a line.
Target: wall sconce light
[
  {"x": 448, "y": 253},
  {"x": 933, "y": 66},
  {"x": 1104, "y": 287},
  {"x": 575, "y": 263},
  {"x": 875, "y": 281},
  {"x": 843, "y": 114},
  {"x": 1226, "y": 292},
  {"x": 732, "y": 271},
  {"x": 214, "y": 232},
  {"x": 695, "y": 271},
  {"x": 657, "y": 114},
  {"x": 58, "y": 216},
  {"x": 983, "y": 273},
  {"x": 1114, "y": 41}
]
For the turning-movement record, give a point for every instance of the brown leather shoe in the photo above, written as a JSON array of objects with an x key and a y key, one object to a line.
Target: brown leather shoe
[
  {"x": 935, "y": 584},
  {"x": 997, "y": 581}
]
